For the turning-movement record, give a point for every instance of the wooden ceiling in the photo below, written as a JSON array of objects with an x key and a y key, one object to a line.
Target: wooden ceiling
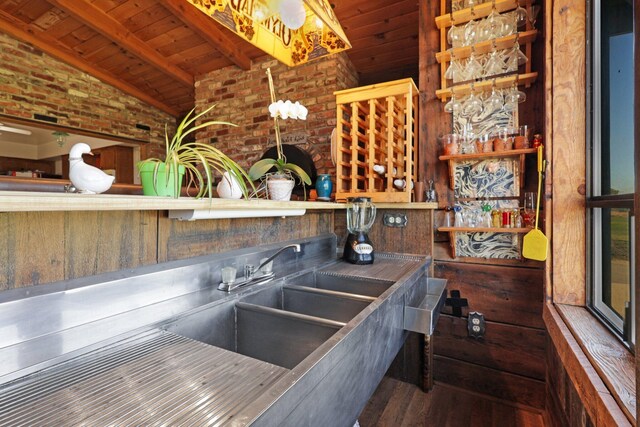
[{"x": 155, "y": 49}]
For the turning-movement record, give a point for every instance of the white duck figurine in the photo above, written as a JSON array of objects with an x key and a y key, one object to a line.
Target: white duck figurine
[{"x": 86, "y": 178}]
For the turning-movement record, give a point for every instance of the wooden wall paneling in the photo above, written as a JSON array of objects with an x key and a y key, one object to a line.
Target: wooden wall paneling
[
  {"x": 415, "y": 238},
  {"x": 503, "y": 294},
  {"x": 502, "y": 346},
  {"x": 433, "y": 120},
  {"x": 32, "y": 248},
  {"x": 103, "y": 241},
  {"x": 184, "y": 239},
  {"x": 568, "y": 151},
  {"x": 499, "y": 384},
  {"x": 548, "y": 141},
  {"x": 563, "y": 404},
  {"x": 636, "y": 106}
]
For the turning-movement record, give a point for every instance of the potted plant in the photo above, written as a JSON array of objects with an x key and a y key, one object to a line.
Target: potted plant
[
  {"x": 281, "y": 182},
  {"x": 196, "y": 159}
]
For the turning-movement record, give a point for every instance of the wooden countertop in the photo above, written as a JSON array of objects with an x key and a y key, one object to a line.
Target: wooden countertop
[{"x": 26, "y": 201}]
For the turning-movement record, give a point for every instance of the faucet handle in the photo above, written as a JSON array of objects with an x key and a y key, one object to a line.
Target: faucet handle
[{"x": 249, "y": 271}]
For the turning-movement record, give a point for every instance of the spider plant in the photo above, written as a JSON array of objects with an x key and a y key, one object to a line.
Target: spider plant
[{"x": 198, "y": 159}]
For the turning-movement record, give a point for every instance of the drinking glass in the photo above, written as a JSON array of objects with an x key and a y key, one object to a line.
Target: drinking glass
[
  {"x": 468, "y": 140},
  {"x": 513, "y": 98},
  {"x": 494, "y": 64},
  {"x": 453, "y": 106},
  {"x": 455, "y": 34},
  {"x": 529, "y": 212},
  {"x": 454, "y": 70},
  {"x": 515, "y": 58},
  {"x": 534, "y": 10},
  {"x": 495, "y": 101},
  {"x": 508, "y": 24},
  {"x": 472, "y": 105},
  {"x": 470, "y": 31},
  {"x": 521, "y": 15},
  {"x": 473, "y": 68},
  {"x": 450, "y": 143}
]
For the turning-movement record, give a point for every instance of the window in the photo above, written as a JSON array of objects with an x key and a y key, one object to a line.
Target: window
[{"x": 611, "y": 166}]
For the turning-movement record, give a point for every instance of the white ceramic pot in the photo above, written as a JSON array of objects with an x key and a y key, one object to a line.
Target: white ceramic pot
[
  {"x": 280, "y": 188},
  {"x": 229, "y": 188}
]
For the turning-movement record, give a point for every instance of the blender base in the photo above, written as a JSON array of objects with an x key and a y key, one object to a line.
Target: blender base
[{"x": 358, "y": 249}]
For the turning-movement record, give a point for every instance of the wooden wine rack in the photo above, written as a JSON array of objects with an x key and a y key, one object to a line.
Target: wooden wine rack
[{"x": 377, "y": 125}]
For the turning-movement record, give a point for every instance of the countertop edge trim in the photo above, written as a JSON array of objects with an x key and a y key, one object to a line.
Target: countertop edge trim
[{"x": 22, "y": 201}]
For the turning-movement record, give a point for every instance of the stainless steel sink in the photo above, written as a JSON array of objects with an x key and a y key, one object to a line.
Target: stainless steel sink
[
  {"x": 280, "y": 324},
  {"x": 280, "y": 337},
  {"x": 342, "y": 283},
  {"x": 308, "y": 348}
]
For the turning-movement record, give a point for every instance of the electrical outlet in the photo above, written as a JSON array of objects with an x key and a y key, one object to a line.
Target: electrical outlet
[
  {"x": 394, "y": 220},
  {"x": 476, "y": 324}
]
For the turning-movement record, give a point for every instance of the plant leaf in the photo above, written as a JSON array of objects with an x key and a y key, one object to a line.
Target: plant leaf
[{"x": 261, "y": 167}]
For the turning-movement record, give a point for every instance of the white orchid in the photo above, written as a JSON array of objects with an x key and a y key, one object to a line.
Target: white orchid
[{"x": 288, "y": 110}]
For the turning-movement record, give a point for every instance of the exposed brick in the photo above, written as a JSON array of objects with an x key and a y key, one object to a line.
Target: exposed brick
[
  {"x": 311, "y": 84},
  {"x": 72, "y": 96}
]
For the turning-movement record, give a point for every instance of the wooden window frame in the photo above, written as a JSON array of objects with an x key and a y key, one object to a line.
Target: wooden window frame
[{"x": 565, "y": 211}]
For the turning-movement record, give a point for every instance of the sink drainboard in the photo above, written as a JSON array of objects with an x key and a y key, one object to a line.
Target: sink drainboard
[{"x": 165, "y": 376}]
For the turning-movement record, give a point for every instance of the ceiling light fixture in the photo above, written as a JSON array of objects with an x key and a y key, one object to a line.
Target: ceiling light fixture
[
  {"x": 61, "y": 137},
  {"x": 14, "y": 130},
  {"x": 292, "y": 31}
]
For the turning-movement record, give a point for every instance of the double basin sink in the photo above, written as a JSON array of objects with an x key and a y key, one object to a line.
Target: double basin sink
[{"x": 284, "y": 323}]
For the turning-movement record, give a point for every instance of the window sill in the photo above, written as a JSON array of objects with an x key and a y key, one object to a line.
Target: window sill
[{"x": 602, "y": 369}]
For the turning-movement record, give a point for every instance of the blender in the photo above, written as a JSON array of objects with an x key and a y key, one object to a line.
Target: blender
[{"x": 360, "y": 215}]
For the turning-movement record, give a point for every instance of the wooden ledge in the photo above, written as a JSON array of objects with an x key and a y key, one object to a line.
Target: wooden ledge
[
  {"x": 591, "y": 372},
  {"x": 24, "y": 201}
]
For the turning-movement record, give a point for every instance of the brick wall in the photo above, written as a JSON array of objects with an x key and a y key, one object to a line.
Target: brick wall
[
  {"x": 32, "y": 82},
  {"x": 242, "y": 98}
]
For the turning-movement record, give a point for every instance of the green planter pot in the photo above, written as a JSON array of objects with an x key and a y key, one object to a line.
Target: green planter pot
[{"x": 163, "y": 187}]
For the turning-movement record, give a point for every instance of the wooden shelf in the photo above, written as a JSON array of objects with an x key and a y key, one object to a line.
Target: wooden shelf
[
  {"x": 28, "y": 201},
  {"x": 487, "y": 46},
  {"x": 481, "y": 86},
  {"x": 494, "y": 154},
  {"x": 483, "y": 230},
  {"x": 480, "y": 11},
  {"x": 508, "y": 153}
]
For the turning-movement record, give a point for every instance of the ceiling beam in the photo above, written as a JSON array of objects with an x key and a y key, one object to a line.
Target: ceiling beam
[
  {"x": 208, "y": 30},
  {"x": 112, "y": 29},
  {"x": 54, "y": 48}
]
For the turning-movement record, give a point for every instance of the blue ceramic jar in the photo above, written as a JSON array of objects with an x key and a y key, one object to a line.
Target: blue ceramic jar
[{"x": 324, "y": 186}]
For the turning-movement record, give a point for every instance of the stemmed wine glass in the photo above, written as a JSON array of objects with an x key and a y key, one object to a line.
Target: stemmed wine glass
[
  {"x": 455, "y": 34},
  {"x": 513, "y": 98},
  {"x": 495, "y": 62},
  {"x": 470, "y": 30},
  {"x": 521, "y": 15},
  {"x": 453, "y": 106},
  {"x": 533, "y": 15},
  {"x": 472, "y": 106},
  {"x": 515, "y": 57},
  {"x": 454, "y": 69},
  {"x": 473, "y": 69},
  {"x": 495, "y": 101}
]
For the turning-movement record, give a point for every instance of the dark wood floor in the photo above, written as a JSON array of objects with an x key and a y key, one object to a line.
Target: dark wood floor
[{"x": 396, "y": 404}]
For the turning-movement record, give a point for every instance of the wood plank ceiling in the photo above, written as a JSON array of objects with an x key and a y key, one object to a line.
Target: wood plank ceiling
[{"x": 155, "y": 49}]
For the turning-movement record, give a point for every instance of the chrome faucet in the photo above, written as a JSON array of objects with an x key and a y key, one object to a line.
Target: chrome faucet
[{"x": 252, "y": 273}]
